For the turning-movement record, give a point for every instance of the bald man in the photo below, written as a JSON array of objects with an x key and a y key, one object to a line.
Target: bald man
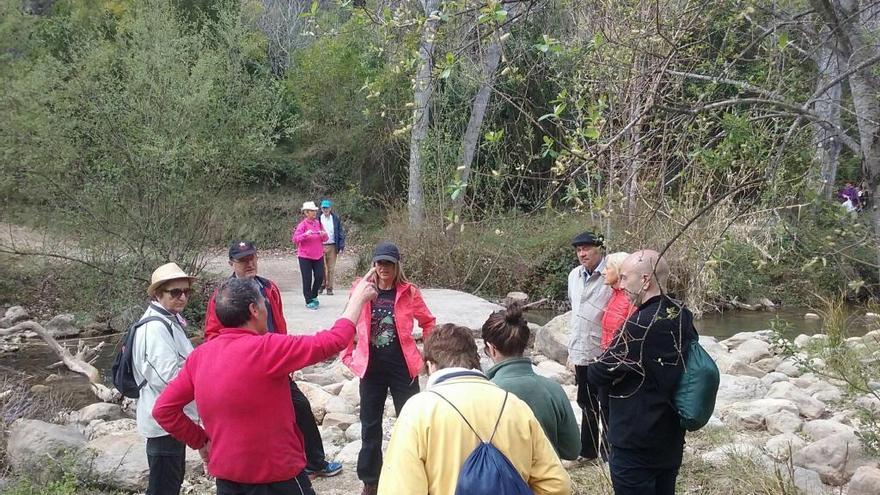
[{"x": 642, "y": 368}]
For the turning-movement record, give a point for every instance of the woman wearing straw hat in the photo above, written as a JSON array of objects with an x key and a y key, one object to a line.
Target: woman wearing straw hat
[
  {"x": 309, "y": 237},
  {"x": 159, "y": 350}
]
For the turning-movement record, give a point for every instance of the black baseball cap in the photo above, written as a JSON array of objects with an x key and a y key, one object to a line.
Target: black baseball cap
[
  {"x": 588, "y": 239},
  {"x": 240, "y": 249},
  {"x": 386, "y": 251}
]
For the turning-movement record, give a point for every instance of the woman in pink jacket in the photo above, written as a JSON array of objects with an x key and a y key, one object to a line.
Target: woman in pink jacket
[
  {"x": 309, "y": 237},
  {"x": 386, "y": 357},
  {"x": 618, "y": 308}
]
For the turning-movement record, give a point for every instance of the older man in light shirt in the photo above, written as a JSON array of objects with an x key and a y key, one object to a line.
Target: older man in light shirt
[{"x": 588, "y": 295}]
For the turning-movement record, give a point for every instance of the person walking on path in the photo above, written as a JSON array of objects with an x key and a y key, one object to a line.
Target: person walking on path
[
  {"x": 334, "y": 244},
  {"x": 240, "y": 382},
  {"x": 506, "y": 335},
  {"x": 588, "y": 295},
  {"x": 309, "y": 237},
  {"x": 438, "y": 429},
  {"x": 385, "y": 356},
  {"x": 619, "y": 307},
  {"x": 642, "y": 369},
  {"x": 158, "y": 353},
  {"x": 244, "y": 262}
]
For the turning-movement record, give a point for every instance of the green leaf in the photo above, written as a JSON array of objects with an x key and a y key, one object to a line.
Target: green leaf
[{"x": 783, "y": 40}]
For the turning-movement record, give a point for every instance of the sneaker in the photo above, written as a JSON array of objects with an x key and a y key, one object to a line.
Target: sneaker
[
  {"x": 330, "y": 469},
  {"x": 370, "y": 489},
  {"x": 317, "y": 303},
  {"x": 329, "y": 292},
  {"x": 313, "y": 304}
]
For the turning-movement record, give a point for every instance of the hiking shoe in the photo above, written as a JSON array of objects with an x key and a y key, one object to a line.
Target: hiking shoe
[
  {"x": 370, "y": 489},
  {"x": 330, "y": 469},
  {"x": 317, "y": 303},
  {"x": 329, "y": 292},
  {"x": 313, "y": 304}
]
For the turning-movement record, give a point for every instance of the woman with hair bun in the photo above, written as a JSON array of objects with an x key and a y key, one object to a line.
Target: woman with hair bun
[{"x": 506, "y": 335}]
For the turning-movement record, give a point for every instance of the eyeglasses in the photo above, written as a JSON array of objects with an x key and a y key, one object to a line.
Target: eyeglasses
[{"x": 176, "y": 293}]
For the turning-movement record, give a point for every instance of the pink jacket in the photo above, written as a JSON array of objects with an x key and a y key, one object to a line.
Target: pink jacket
[
  {"x": 617, "y": 311},
  {"x": 408, "y": 305},
  {"x": 309, "y": 246}
]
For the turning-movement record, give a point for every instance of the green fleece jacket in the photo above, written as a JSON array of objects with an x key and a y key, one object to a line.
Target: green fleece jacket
[{"x": 547, "y": 400}]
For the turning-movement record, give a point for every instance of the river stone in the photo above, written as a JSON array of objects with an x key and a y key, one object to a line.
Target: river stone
[
  {"x": 737, "y": 367},
  {"x": 97, "y": 429},
  {"x": 801, "y": 341},
  {"x": 353, "y": 432},
  {"x": 318, "y": 398},
  {"x": 712, "y": 346},
  {"x": 783, "y": 422},
  {"x": 349, "y": 453},
  {"x": 337, "y": 404},
  {"x": 807, "y": 406},
  {"x": 32, "y": 444},
  {"x": 868, "y": 402},
  {"x": 811, "y": 316},
  {"x": 807, "y": 481},
  {"x": 63, "y": 325},
  {"x": 823, "y": 428},
  {"x": 555, "y": 371},
  {"x": 120, "y": 461},
  {"x": 773, "y": 377},
  {"x": 331, "y": 435},
  {"x": 552, "y": 339},
  {"x": 790, "y": 367},
  {"x": 737, "y": 389},
  {"x": 339, "y": 420},
  {"x": 738, "y": 339},
  {"x": 100, "y": 410},
  {"x": 835, "y": 458},
  {"x": 824, "y": 391},
  {"x": 752, "y": 415},
  {"x": 865, "y": 481},
  {"x": 40, "y": 389},
  {"x": 334, "y": 388},
  {"x": 769, "y": 364},
  {"x": 351, "y": 391},
  {"x": 782, "y": 446},
  {"x": 13, "y": 315},
  {"x": 751, "y": 351},
  {"x": 872, "y": 339}
]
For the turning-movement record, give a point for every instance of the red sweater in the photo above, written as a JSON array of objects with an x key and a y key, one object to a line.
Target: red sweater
[
  {"x": 239, "y": 381},
  {"x": 273, "y": 295}
]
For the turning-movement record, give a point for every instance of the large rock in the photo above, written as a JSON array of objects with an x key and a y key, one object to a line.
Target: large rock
[
  {"x": 120, "y": 461},
  {"x": 349, "y": 453},
  {"x": 353, "y": 432},
  {"x": 97, "y": 429},
  {"x": 768, "y": 364},
  {"x": 790, "y": 367},
  {"x": 339, "y": 405},
  {"x": 712, "y": 346},
  {"x": 351, "y": 392},
  {"x": 752, "y": 415},
  {"x": 555, "y": 371},
  {"x": 740, "y": 338},
  {"x": 331, "y": 435},
  {"x": 865, "y": 481},
  {"x": 63, "y": 325},
  {"x": 99, "y": 411},
  {"x": 807, "y": 406},
  {"x": 32, "y": 445},
  {"x": 773, "y": 377},
  {"x": 339, "y": 420},
  {"x": 823, "y": 428},
  {"x": 737, "y": 389},
  {"x": 13, "y": 315},
  {"x": 318, "y": 398},
  {"x": 781, "y": 447},
  {"x": 732, "y": 366},
  {"x": 783, "y": 422},
  {"x": 807, "y": 481},
  {"x": 835, "y": 458},
  {"x": 552, "y": 339},
  {"x": 751, "y": 351}
]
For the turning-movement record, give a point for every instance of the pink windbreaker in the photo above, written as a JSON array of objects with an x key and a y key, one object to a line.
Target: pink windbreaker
[
  {"x": 309, "y": 246},
  {"x": 617, "y": 311}
]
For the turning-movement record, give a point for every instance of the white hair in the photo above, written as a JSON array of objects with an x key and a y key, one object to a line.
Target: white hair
[{"x": 615, "y": 260}]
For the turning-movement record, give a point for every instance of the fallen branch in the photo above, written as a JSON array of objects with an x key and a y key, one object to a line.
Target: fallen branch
[{"x": 74, "y": 363}]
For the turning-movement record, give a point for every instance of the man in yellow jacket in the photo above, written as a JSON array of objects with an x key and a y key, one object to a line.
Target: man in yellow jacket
[{"x": 431, "y": 441}]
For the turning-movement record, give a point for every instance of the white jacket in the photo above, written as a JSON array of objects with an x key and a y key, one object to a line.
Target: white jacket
[
  {"x": 588, "y": 296},
  {"x": 157, "y": 357}
]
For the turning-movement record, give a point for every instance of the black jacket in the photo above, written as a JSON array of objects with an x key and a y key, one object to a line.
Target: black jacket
[{"x": 641, "y": 370}]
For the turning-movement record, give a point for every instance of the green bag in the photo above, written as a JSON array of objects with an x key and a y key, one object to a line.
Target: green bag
[{"x": 697, "y": 388}]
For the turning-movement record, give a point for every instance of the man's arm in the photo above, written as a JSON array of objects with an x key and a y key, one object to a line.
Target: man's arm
[
  {"x": 287, "y": 353},
  {"x": 168, "y": 411}
]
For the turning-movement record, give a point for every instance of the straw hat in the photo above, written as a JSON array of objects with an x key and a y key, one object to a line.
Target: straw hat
[
  {"x": 166, "y": 272},
  {"x": 309, "y": 205}
]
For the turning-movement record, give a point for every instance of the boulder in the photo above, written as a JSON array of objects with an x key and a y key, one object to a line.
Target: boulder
[
  {"x": 790, "y": 367},
  {"x": 801, "y": 341},
  {"x": 552, "y": 339},
  {"x": 32, "y": 445},
  {"x": 783, "y": 422},
  {"x": 807, "y": 406},
  {"x": 781, "y": 447},
  {"x": 99, "y": 411},
  {"x": 824, "y": 391},
  {"x": 752, "y": 415},
  {"x": 63, "y": 325},
  {"x": 768, "y": 364},
  {"x": 865, "y": 481},
  {"x": 349, "y": 453},
  {"x": 97, "y": 429},
  {"x": 868, "y": 402},
  {"x": 331, "y": 435},
  {"x": 811, "y": 317},
  {"x": 334, "y": 388},
  {"x": 823, "y": 428},
  {"x": 807, "y": 481},
  {"x": 555, "y": 371},
  {"x": 353, "y": 432},
  {"x": 339, "y": 420},
  {"x": 733, "y": 366},
  {"x": 120, "y": 461},
  {"x": 516, "y": 298},
  {"x": 737, "y": 389},
  {"x": 712, "y": 346},
  {"x": 835, "y": 458},
  {"x": 337, "y": 404},
  {"x": 740, "y": 338},
  {"x": 13, "y": 315},
  {"x": 751, "y": 351},
  {"x": 318, "y": 398},
  {"x": 351, "y": 391},
  {"x": 773, "y": 377}
]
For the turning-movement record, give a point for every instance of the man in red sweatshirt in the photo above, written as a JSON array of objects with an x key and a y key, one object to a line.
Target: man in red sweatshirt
[{"x": 239, "y": 381}]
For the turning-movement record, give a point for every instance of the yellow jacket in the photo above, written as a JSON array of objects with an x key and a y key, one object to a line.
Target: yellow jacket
[{"x": 430, "y": 441}]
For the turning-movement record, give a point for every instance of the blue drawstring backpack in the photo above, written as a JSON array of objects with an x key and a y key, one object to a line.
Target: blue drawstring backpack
[{"x": 487, "y": 471}]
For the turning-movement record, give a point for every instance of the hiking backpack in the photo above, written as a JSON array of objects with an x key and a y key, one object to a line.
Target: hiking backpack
[
  {"x": 695, "y": 397},
  {"x": 123, "y": 370},
  {"x": 487, "y": 471}
]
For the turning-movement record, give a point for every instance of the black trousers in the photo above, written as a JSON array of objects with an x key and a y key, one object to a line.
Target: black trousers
[
  {"x": 633, "y": 474},
  {"x": 294, "y": 486},
  {"x": 313, "y": 276},
  {"x": 305, "y": 421},
  {"x": 593, "y": 442},
  {"x": 166, "y": 458},
  {"x": 374, "y": 389}
]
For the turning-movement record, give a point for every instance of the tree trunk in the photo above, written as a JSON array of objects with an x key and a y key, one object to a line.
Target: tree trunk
[
  {"x": 422, "y": 90},
  {"x": 828, "y": 144}
]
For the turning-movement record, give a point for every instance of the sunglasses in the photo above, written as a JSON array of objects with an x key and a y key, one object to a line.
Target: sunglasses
[{"x": 176, "y": 293}]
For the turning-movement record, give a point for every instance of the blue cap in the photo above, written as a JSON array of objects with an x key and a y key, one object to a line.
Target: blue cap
[{"x": 326, "y": 203}]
